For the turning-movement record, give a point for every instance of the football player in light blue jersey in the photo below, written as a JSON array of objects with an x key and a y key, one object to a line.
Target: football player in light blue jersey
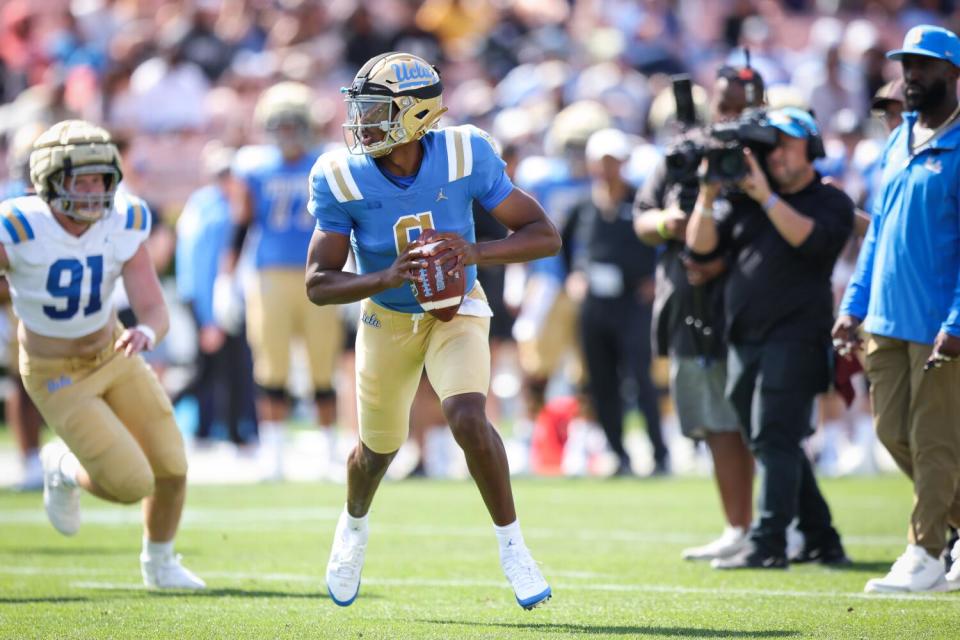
[
  {"x": 399, "y": 177},
  {"x": 273, "y": 185}
]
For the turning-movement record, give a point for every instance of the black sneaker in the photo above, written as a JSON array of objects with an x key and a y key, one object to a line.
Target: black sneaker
[
  {"x": 831, "y": 555},
  {"x": 753, "y": 559}
]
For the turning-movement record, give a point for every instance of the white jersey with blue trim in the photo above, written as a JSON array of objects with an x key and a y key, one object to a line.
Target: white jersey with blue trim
[
  {"x": 61, "y": 284},
  {"x": 351, "y": 195}
]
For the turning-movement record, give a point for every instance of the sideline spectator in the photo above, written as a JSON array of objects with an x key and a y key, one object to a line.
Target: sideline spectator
[
  {"x": 222, "y": 381},
  {"x": 612, "y": 279},
  {"x": 689, "y": 325},
  {"x": 779, "y": 308},
  {"x": 905, "y": 292}
]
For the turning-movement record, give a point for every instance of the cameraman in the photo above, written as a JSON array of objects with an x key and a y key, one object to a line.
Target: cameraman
[
  {"x": 778, "y": 312},
  {"x": 688, "y": 323}
]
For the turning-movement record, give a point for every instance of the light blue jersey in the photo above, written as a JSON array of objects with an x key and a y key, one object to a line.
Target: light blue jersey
[
  {"x": 203, "y": 234},
  {"x": 350, "y": 195},
  {"x": 551, "y": 183},
  {"x": 279, "y": 192}
]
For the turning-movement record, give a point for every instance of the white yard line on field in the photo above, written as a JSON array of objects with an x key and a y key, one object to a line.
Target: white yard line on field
[
  {"x": 268, "y": 519},
  {"x": 559, "y": 588}
]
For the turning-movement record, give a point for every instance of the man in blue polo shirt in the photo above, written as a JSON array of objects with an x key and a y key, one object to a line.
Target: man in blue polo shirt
[{"x": 906, "y": 292}]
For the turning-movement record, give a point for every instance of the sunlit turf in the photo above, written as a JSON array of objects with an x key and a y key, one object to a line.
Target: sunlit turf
[{"x": 611, "y": 550}]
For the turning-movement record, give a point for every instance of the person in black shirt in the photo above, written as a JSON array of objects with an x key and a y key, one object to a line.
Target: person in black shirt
[
  {"x": 778, "y": 313},
  {"x": 614, "y": 271},
  {"x": 688, "y": 325}
]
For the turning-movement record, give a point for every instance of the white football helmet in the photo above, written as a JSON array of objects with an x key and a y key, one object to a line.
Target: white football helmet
[
  {"x": 71, "y": 148},
  {"x": 396, "y": 95}
]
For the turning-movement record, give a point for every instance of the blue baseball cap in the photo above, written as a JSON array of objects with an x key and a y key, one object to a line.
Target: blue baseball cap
[
  {"x": 930, "y": 41},
  {"x": 794, "y": 122}
]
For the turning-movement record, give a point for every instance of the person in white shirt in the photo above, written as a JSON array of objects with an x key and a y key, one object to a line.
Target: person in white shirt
[{"x": 63, "y": 251}]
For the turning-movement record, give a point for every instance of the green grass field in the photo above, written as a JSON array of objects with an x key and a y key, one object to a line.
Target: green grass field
[{"x": 609, "y": 548}]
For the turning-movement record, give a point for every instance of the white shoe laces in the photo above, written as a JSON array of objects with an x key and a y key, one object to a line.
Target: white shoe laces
[
  {"x": 522, "y": 570},
  {"x": 347, "y": 559},
  {"x": 908, "y": 561}
]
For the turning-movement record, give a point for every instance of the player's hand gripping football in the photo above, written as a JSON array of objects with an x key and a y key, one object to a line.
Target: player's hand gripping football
[
  {"x": 406, "y": 267},
  {"x": 457, "y": 251}
]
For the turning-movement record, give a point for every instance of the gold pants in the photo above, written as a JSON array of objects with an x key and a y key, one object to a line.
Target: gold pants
[
  {"x": 277, "y": 310},
  {"x": 392, "y": 350},
  {"x": 114, "y": 416}
]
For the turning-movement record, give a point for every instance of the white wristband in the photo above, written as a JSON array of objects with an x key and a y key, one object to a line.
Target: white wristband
[{"x": 151, "y": 335}]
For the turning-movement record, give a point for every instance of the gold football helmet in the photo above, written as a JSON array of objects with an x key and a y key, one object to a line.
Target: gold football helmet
[
  {"x": 570, "y": 129},
  {"x": 394, "y": 99},
  {"x": 72, "y": 148},
  {"x": 284, "y": 102}
]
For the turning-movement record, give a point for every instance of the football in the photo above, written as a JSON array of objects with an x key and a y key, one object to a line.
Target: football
[{"x": 438, "y": 292}]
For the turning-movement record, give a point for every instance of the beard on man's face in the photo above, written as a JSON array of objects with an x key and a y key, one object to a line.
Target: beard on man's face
[{"x": 924, "y": 99}]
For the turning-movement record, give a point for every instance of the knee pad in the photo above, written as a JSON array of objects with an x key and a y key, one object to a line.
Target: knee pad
[
  {"x": 324, "y": 395},
  {"x": 133, "y": 488},
  {"x": 274, "y": 393}
]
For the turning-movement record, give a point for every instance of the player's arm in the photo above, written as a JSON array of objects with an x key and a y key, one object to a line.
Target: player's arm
[
  {"x": 533, "y": 235},
  {"x": 146, "y": 300},
  {"x": 328, "y": 283},
  {"x": 241, "y": 213}
]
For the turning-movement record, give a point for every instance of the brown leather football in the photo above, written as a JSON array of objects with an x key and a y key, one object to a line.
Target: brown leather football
[{"x": 438, "y": 292}]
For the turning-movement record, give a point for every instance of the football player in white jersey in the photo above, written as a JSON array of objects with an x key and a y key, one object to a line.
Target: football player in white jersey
[
  {"x": 63, "y": 250},
  {"x": 402, "y": 178}
]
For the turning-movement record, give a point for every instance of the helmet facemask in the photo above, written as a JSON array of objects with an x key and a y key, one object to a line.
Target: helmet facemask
[
  {"x": 395, "y": 99},
  {"x": 84, "y": 207},
  {"x": 290, "y": 132},
  {"x": 69, "y": 149},
  {"x": 283, "y": 113}
]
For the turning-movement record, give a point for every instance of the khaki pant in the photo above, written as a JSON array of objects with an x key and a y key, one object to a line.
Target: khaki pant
[
  {"x": 114, "y": 416},
  {"x": 918, "y": 420},
  {"x": 542, "y": 355},
  {"x": 277, "y": 310},
  {"x": 392, "y": 350}
]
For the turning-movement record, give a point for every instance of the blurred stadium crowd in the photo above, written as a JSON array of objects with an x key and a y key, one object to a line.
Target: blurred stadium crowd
[{"x": 177, "y": 83}]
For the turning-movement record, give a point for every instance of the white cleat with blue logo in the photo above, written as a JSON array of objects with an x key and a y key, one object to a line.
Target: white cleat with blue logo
[
  {"x": 524, "y": 575},
  {"x": 346, "y": 563}
]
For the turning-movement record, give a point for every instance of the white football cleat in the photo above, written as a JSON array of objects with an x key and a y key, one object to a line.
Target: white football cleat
[
  {"x": 346, "y": 563},
  {"x": 32, "y": 479},
  {"x": 166, "y": 572},
  {"x": 953, "y": 576},
  {"x": 733, "y": 541},
  {"x": 915, "y": 570},
  {"x": 529, "y": 587},
  {"x": 60, "y": 500}
]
